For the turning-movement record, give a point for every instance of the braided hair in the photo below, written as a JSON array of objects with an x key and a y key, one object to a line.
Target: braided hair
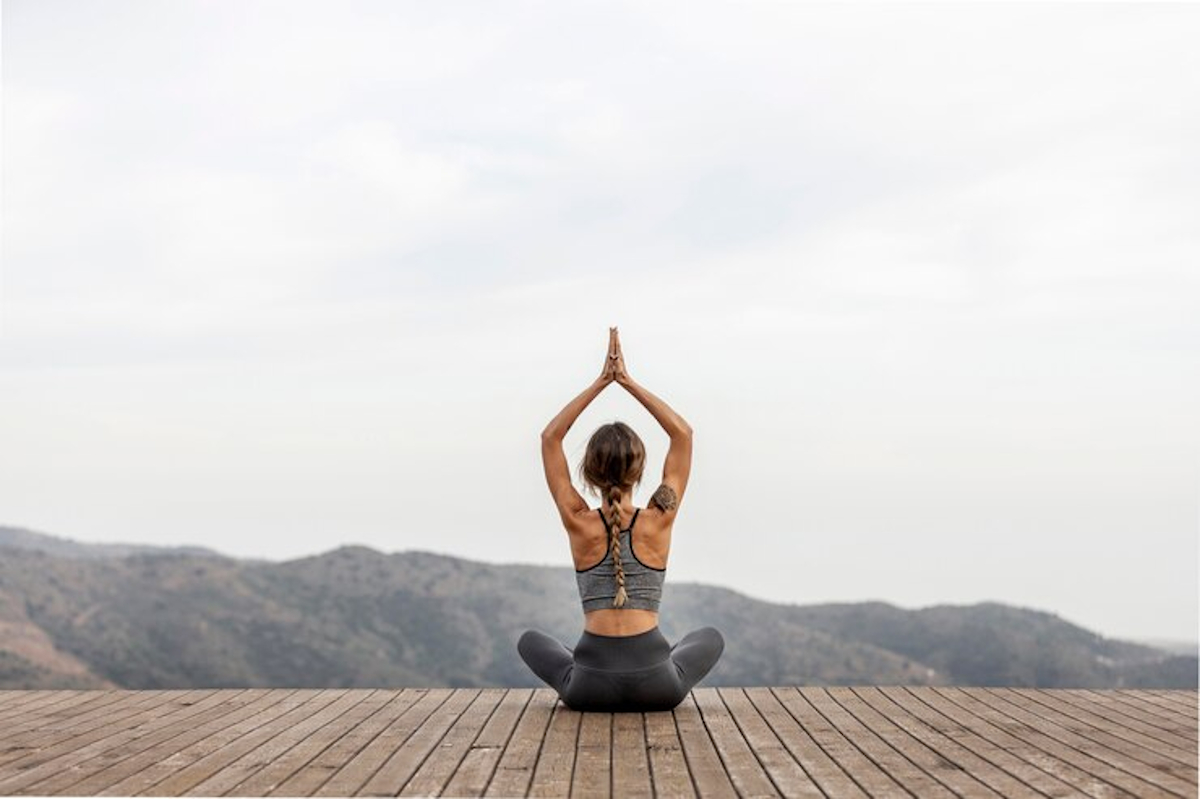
[{"x": 613, "y": 464}]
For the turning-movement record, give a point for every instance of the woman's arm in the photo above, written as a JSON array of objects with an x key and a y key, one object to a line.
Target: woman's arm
[
  {"x": 560, "y": 424},
  {"x": 558, "y": 475},
  {"x": 671, "y": 421},
  {"x": 678, "y": 464}
]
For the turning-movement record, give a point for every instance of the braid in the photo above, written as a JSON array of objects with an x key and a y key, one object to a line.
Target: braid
[{"x": 614, "y": 524}]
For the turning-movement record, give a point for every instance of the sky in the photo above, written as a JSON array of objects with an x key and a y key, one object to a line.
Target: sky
[{"x": 283, "y": 276}]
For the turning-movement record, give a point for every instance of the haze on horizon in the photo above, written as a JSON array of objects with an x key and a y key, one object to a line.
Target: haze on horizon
[{"x": 279, "y": 277}]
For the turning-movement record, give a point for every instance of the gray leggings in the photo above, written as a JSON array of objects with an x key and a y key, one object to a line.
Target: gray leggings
[{"x": 605, "y": 673}]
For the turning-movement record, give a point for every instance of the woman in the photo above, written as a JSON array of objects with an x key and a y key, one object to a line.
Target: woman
[{"x": 622, "y": 661}]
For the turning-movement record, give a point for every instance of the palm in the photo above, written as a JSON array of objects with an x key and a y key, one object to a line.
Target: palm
[{"x": 615, "y": 365}]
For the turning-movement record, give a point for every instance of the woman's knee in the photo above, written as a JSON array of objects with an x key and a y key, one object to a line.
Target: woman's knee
[
  {"x": 708, "y": 637},
  {"x": 531, "y": 642}
]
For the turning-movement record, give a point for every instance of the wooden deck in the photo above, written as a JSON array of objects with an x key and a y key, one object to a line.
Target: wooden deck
[{"x": 884, "y": 741}]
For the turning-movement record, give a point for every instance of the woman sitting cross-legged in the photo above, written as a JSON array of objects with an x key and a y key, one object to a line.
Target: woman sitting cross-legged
[{"x": 622, "y": 661}]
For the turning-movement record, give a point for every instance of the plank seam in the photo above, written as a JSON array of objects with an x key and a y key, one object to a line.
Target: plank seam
[
  {"x": 1107, "y": 748},
  {"x": 991, "y": 740},
  {"x": 800, "y": 723}
]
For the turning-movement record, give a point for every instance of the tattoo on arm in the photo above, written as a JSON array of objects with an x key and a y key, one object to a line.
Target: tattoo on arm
[{"x": 665, "y": 498}]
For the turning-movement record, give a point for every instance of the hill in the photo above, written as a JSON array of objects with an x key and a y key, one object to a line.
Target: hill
[{"x": 357, "y": 617}]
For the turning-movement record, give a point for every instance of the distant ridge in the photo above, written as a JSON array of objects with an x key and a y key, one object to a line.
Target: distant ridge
[
  {"x": 133, "y": 616},
  {"x": 22, "y": 538}
]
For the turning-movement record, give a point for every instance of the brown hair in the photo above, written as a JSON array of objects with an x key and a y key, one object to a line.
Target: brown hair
[{"x": 612, "y": 464}]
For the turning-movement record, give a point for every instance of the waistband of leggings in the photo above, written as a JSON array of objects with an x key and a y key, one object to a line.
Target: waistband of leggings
[{"x": 622, "y": 652}]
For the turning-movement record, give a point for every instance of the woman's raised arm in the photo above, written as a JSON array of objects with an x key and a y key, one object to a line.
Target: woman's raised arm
[{"x": 678, "y": 463}]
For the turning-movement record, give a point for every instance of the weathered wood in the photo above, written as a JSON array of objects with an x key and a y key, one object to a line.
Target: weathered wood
[
  {"x": 515, "y": 770},
  {"x": 1130, "y": 764},
  {"x": 1187, "y": 699},
  {"x": 355, "y": 772},
  {"x": 556, "y": 761},
  {"x": 746, "y": 771},
  {"x": 200, "y": 761},
  {"x": 157, "y": 738},
  {"x": 1168, "y": 702},
  {"x": 346, "y": 749},
  {"x": 872, "y": 745},
  {"x": 1134, "y": 714},
  {"x": 909, "y": 741},
  {"x": 842, "y": 741},
  {"x": 94, "y": 738},
  {"x": 299, "y": 757},
  {"x": 866, "y": 772},
  {"x": 60, "y": 722},
  {"x": 592, "y": 776},
  {"x": 476, "y": 769},
  {"x": 274, "y": 743},
  {"x": 1055, "y": 743},
  {"x": 669, "y": 775},
  {"x": 630, "y": 760},
  {"x": 441, "y": 763},
  {"x": 994, "y": 743},
  {"x": 709, "y": 774},
  {"x": 956, "y": 747},
  {"x": 824, "y": 771},
  {"x": 1119, "y": 733},
  {"x": 785, "y": 772}
]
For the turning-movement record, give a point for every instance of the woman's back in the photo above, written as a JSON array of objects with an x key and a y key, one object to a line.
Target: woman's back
[
  {"x": 645, "y": 544},
  {"x": 622, "y": 661}
]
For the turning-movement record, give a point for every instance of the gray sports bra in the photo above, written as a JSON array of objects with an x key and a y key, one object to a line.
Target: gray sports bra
[{"x": 598, "y": 584}]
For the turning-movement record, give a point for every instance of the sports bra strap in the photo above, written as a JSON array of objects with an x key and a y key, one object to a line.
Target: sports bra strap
[{"x": 632, "y": 521}]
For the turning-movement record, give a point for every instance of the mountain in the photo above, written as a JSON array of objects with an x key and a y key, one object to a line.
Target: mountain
[
  {"x": 355, "y": 617},
  {"x": 21, "y": 538}
]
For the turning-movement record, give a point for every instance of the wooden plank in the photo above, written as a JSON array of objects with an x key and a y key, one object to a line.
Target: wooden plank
[
  {"x": 60, "y": 723},
  {"x": 592, "y": 776},
  {"x": 963, "y": 768},
  {"x": 1187, "y": 697},
  {"x": 669, "y": 774},
  {"x": 823, "y": 770},
  {"x": 314, "y": 774},
  {"x": 353, "y": 774},
  {"x": 1147, "y": 765},
  {"x": 15, "y": 697},
  {"x": 911, "y": 743},
  {"x": 1130, "y": 710},
  {"x": 1162, "y": 705},
  {"x": 515, "y": 769},
  {"x": 556, "y": 760},
  {"x": 288, "y": 764},
  {"x": 118, "y": 758},
  {"x": 97, "y": 737},
  {"x": 475, "y": 771},
  {"x": 439, "y": 767},
  {"x": 43, "y": 705},
  {"x": 994, "y": 743},
  {"x": 869, "y": 776},
  {"x": 749, "y": 776},
  {"x": 704, "y": 763},
  {"x": 182, "y": 749},
  {"x": 786, "y": 774},
  {"x": 231, "y": 773},
  {"x": 631, "y": 765},
  {"x": 44, "y": 723},
  {"x": 1107, "y": 725},
  {"x": 199, "y": 762},
  {"x": 1043, "y": 733},
  {"x": 875, "y": 748},
  {"x": 404, "y": 762},
  {"x": 35, "y": 699}
]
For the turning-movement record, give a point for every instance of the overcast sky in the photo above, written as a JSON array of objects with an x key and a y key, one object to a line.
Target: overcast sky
[{"x": 283, "y": 276}]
